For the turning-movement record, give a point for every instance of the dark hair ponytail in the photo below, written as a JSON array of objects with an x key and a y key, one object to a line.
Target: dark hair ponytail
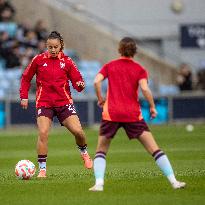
[{"x": 57, "y": 35}]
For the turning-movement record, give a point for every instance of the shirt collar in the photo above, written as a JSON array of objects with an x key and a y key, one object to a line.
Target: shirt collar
[{"x": 126, "y": 58}]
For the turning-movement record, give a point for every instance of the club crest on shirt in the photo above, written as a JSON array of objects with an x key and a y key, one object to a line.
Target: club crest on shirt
[{"x": 62, "y": 65}]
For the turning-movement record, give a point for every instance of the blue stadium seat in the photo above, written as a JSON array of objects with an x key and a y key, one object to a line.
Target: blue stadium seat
[
  {"x": 168, "y": 90},
  {"x": 89, "y": 69},
  {"x": 72, "y": 54},
  {"x": 2, "y": 64},
  {"x": 9, "y": 27},
  {"x": 9, "y": 81}
]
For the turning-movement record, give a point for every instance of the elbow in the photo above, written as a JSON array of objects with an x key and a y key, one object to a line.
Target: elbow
[
  {"x": 98, "y": 79},
  {"x": 95, "y": 83},
  {"x": 145, "y": 89}
]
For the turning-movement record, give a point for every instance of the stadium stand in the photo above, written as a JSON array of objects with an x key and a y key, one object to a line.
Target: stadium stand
[{"x": 21, "y": 41}]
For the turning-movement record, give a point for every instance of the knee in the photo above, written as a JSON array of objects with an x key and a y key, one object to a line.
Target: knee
[{"x": 43, "y": 134}]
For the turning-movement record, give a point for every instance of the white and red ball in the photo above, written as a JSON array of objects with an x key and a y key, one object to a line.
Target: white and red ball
[{"x": 25, "y": 169}]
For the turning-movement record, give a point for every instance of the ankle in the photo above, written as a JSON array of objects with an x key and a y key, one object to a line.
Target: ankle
[
  {"x": 82, "y": 149},
  {"x": 172, "y": 179},
  {"x": 42, "y": 161},
  {"x": 99, "y": 182}
]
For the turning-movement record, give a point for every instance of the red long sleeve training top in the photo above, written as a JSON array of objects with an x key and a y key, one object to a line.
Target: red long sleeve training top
[{"x": 52, "y": 80}]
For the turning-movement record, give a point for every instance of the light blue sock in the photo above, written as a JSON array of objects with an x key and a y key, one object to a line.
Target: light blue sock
[
  {"x": 99, "y": 167},
  {"x": 164, "y": 164}
]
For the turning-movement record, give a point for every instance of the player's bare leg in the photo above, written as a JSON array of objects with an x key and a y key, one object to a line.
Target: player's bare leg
[
  {"x": 72, "y": 123},
  {"x": 44, "y": 125},
  {"x": 161, "y": 159},
  {"x": 100, "y": 163}
]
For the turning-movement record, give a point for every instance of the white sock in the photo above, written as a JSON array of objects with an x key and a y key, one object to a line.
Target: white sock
[
  {"x": 171, "y": 178},
  {"x": 99, "y": 168},
  {"x": 164, "y": 164},
  {"x": 99, "y": 181}
]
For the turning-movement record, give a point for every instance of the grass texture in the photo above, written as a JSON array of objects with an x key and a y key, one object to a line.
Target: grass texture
[{"x": 132, "y": 176}]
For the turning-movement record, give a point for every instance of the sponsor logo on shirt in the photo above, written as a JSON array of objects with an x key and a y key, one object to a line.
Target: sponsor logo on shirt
[{"x": 45, "y": 65}]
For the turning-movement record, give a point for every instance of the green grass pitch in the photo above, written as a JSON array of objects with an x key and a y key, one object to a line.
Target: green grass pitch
[{"x": 131, "y": 176}]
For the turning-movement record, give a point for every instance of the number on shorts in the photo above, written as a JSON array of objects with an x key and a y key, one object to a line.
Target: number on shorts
[{"x": 72, "y": 108}]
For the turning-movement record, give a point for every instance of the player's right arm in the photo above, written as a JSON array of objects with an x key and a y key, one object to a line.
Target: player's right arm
[
  {"x": 148, "y": 95},
  {"x": 26, "y": 82},
  {"x": 97, "y": 84}
]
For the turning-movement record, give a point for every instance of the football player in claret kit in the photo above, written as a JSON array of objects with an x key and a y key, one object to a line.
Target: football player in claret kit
[
  {"x": 53, "y": 70},
  {"x": 121, "y": 108}
]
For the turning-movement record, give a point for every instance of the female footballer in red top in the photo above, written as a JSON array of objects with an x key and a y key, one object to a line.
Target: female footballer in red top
[
  {"x": 121, "y": 108},
  {"x": 53, "y": 70}
]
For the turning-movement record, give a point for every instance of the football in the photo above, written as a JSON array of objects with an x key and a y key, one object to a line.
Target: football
[
  {"x": 25, "y": 169},
  {"x": 189, "y": 128}
]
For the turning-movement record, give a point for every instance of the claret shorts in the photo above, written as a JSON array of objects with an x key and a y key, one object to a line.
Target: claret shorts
[
  {"x": 60, "y": 112},
  {"x": 132, "y": 129}
]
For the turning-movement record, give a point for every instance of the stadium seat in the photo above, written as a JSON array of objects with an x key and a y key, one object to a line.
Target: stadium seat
[
  {"x": 2, "y": 64},
  {"x": 168, "y": 90},
  {"x": 9, "y": 82},
  {"x": 9, "y": 27},
  {"x": 72, "y": 54},
  {"x": 89, "y": 69}
]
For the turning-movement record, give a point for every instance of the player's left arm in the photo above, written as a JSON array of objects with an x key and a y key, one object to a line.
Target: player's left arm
[
  {"x": 75, "y": 76},
  {"x": 97, "y": 84},
  {"x": 148, "y": 95}
]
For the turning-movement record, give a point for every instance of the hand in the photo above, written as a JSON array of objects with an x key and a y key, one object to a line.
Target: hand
[
  {"x": 24, "y": 103},
  {"x": 80, "y": 84},
  {"x": 153, "y": 113},
  {"x": 101, "y": 103}
]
